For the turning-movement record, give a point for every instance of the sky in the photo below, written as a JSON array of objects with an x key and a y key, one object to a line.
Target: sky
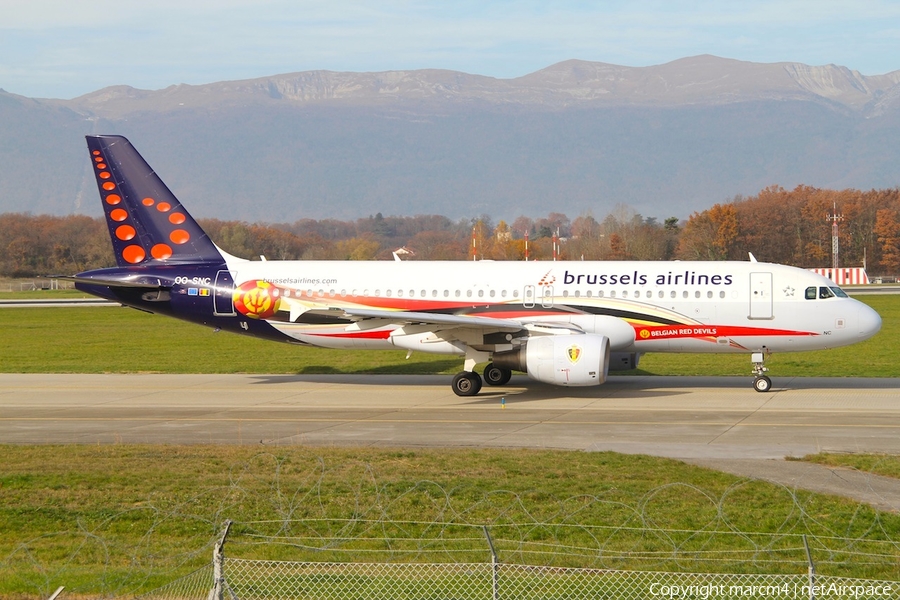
[{"x": 66, "y": 48}]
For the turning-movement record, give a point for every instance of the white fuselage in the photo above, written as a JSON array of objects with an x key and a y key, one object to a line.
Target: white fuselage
[{"x": 671, "y": 306}]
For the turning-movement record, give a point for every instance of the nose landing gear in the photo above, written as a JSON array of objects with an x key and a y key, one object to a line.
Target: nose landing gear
[{"x": 761, "y": 383}]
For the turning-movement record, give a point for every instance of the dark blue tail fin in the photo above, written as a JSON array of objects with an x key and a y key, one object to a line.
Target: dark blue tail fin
[{"x": 147, "y": 223}]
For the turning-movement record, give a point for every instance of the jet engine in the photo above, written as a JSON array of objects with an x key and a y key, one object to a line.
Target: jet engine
[{"x": 572, "y": 360}]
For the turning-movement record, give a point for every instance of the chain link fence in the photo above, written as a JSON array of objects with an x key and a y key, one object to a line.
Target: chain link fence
[
  {"x": 251, "y": 579},
  {"x": 245, "y": 579}
]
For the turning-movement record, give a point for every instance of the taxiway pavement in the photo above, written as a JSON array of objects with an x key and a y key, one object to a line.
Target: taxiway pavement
[
  {"x": 678, "y": 417},
  {"x": 717, "y": 422}
]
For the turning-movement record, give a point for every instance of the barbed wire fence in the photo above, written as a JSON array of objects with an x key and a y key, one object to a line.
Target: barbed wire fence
[{"x": 260, "y": 579}]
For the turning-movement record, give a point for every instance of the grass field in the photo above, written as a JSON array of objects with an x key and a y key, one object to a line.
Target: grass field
[
  {"x": 115, "y": 519},
  {"x": 123, "y": 340},
  {"x": 880, "y": 464}
]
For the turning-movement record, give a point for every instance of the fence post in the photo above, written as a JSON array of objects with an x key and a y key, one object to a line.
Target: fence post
[
  {"x": 218, "y": 591},
  {"x": 57, "y": 592},
  {"x": 811, "y": 572},
  {"x": 495, "y": 564}
]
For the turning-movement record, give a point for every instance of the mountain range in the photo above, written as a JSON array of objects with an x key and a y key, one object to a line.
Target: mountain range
[{"x": 577, "y": 137}]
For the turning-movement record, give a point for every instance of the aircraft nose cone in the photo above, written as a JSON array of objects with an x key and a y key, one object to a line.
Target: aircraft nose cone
[{"x": 869, "y": 322}]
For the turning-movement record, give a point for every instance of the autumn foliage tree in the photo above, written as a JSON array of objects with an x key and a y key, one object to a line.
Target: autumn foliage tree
[
  {"x": 777, "y": 225},
  {"x": 888, "y": 231}
]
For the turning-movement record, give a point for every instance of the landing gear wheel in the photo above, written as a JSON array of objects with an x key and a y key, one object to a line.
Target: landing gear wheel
[
  {"x": 467, "y": 383},
  {"x": 762, "y": 384},
  {"x": 496, "y": 376}
]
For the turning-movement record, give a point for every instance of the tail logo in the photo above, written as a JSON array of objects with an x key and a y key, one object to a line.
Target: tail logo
[
  {"x": 257, "y": 299},
  {"x": 122, "y": 223}
]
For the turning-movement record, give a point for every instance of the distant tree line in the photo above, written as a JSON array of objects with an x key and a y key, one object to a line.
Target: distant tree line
[{"x": 776, "y": 225}]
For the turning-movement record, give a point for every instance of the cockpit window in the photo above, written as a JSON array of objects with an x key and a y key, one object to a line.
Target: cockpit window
[
  {"x": 811, "y": 293},
  {"x": 825, "y": 292},
  {"x": 839, "y": 292}
]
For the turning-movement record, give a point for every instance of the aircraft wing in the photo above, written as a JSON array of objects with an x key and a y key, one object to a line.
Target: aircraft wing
[
  {"x": 420, "y": 318},
  {"x": 369, "y": 318}
]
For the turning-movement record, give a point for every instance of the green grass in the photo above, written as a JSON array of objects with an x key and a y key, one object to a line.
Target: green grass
[
  {"x": 101, "y": 340},
  {"x": 123, "y": 340},
  {"x": 120, "y": 518},
  {"x": 886, "y": 465}
]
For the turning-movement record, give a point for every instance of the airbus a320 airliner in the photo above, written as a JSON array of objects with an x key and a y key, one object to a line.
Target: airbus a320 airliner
[{"x": 563, "y": 323}]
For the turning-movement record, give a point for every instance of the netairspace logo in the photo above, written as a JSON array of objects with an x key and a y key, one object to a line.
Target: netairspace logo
[{"x": 770, "y": 591}]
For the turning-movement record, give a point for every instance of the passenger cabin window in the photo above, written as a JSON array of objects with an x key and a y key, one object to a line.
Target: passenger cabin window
[{"x": 811, "y": 293}]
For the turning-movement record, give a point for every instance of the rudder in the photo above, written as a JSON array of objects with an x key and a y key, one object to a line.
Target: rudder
[{"x": 147, "y": 223}]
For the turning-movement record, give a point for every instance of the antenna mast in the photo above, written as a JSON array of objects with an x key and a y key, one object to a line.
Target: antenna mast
[{"x": 835, "y": 250}]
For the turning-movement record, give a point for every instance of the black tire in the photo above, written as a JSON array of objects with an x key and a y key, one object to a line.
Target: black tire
[
  {"x": 496, "y": 376},
  {"x": 762, "y": 384},
  {"x": 466, "y": 383}
]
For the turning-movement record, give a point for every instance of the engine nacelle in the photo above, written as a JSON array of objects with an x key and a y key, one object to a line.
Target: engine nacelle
[
  {"x": 619, "y": 331},
  {"x": 571, "y": 360}
]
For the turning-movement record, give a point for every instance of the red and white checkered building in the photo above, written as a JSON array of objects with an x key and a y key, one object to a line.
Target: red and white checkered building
[{"x": 845, "y": 276}]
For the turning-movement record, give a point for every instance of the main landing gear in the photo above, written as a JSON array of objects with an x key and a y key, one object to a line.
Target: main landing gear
[
  {"x": 761, "y": 383},
  {"x": 468, "y": 383},
  {"x": 496, "y": 376}
]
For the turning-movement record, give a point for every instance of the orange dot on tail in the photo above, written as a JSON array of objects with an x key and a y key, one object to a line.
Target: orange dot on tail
[
  {"x": 134, "y": 254},
  {"x": 179, "y": 236},
  {"x": 125, "y": 232},
  {"x": 113, "y": 199},
  {"x": 161, "y": 251},
  {"x": 117, "y": 214},
  {"x": 176, "y": 218},
  {"x": 148, "y": 201},
  {"x": 96, "y": 153},
  {"x": 109, "y": 186},
  {"x": 98, "y": 159},
  {"x": 163, "y": 207},
  {"x": 101, "y": 165},
  {"x": 105, "y": 175}
]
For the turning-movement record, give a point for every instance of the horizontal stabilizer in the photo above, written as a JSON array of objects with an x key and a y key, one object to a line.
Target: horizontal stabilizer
[{"x": 116, "y": 283}]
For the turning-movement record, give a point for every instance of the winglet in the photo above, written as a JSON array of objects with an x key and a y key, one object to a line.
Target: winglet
[{"x": 146, "y": 221}]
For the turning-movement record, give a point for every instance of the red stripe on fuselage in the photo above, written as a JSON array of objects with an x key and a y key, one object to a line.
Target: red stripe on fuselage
[
  {"x": 663, "y": 332},
  {"x": 378, "y": 334}
]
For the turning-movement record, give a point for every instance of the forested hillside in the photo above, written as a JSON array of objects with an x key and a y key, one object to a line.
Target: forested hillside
[{"x": 776, "y": 225}]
